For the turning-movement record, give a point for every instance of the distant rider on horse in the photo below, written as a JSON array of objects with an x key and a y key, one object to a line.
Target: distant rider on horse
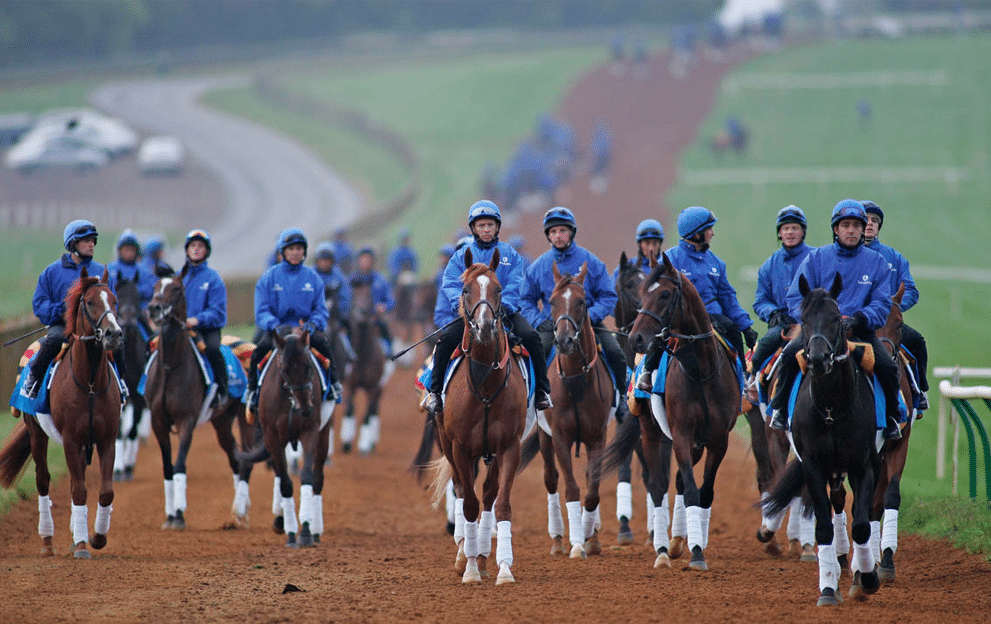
[
  {"x": 128, "y": 266},
  {"x": 382, "y": 296},
  {"x": 650, "y": 236},
  {"x": 402, "y": 258},
  {"x": 206, "y": 305}
]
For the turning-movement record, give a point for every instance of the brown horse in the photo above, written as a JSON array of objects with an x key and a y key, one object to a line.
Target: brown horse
[
  {"x": 582, "y": 392},
  {"x": 85, "y": 413},
  {"x": 291, "y": 411},
  {"x": 484, "y": 416},
  {"x": 175, "y": 391},
  {"x": 369, "y": 372}
]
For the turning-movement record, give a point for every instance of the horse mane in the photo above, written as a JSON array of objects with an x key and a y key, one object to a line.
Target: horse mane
[
  {"x": 473, "y": 271},
  {"x": 696, "y": 307},
  {"x": 814, "y": 300},
  {"x": 565, "y": 280},
  {"x": 72, "y": 301}
]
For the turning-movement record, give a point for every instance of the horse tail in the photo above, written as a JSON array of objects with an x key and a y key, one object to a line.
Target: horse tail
[
  {"x": 252, "y": 456},
  {"x": 15, "y": 454},
  {"x": 442, "y": 474},
  {"x": 529, "y": 450},
  {"x": 622, "y": 444},
  {"x": 421, "y": 461},
  {"x": 788, "y": 486}
]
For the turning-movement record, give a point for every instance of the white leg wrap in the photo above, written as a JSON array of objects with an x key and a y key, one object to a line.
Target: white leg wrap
[
  {"x": 326, "y": 412},
  {"x": 366, "y": 438},
  {"x": 650, "y": 511},
  {"x": 576, "y": 535},
  {"x": 598, "y": 518},
  {"x": 679, "y": 528},
  {"x": 808, "y": 529},
  {"x": 293, "y": 456},
  {"x": 80, "y": 522},
  {"x": 306, "y": 504},
  {"x": 829, "y": 567},
  {"x": 242, "y": 499},
  {"x": 693, "y": 515},
  {"x": 102, "y": 524},
  {"x": 118, "y": 456},
  {"x": 504, "y": 543},
  {"x": 459, "y": 520},
  {"x": 316, "y": 522},
  {"x": 348, "y": 429},
  {"x": 841, "y": 539},
  {"x": 795, "y": 519},
  {"x": 863, "y": 558},
  {"x": 289, "y": 515},
  {"x": 376, "y": 424},
  {"x": 144, "y": 425},
  {"x": 449, "y": 497},
  {"x": 277, "y": 496},
  {"x": 588, "y": 522},
  {"x": 660, "y": 526},
  {"x": 169, "y": 497},
  {"x": 772, "y": 522},
  {"x": 179, "y": 485},
  {"x": 46, "y": 525},
  {"x": 706, "y": 514},
  {"x": 486, "y": 524},
  {"x": 875, "y": 541},
  {"x": 889, "y": 536},
  {"x": 330, "y": 447},
  {"x": 624, "y": 500},
  {"x": 132, "y": 455},
  {"x": 555, "y": 523},
  {"x": 471, "y": 539},
  {"x": 235, "y": 479}
]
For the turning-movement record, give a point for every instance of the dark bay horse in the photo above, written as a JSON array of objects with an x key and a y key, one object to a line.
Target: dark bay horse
[
  {"x": 833, "y": 430},
  {"x": 291, "y": 412},
  {"x": 483, "y": 418},
  {"x": 175, "y": 391},
  {"x": 135, "y": 356},
  {"x": 582, "y": 392},
  {"x": 85, "y": 413},
  {"x": 369, "y": 372}
]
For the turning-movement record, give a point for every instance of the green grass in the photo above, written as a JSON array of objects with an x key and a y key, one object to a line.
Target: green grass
[
  {"x": 25, "y": 489},
  {"x": 964, "y": 522},
  {"x": 40, "y": 98}
]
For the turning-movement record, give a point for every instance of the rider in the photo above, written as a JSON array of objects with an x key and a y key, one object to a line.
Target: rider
[
  {"x": 560, "y": 229},
  {"x": 900, "y": 273},
  {"x": 484, "y": 220},
  {"x": 152, "y": 261},
  {"x": 773, "y": 279},
  {"x": 206, "y": 305},
  {"x": 343, "y": 251},
  {"x": 334, "y": 281},
  {"x": 382, "y": 297},
  {"x": 518, "y": 243},
  {"x": 128, "y": 266},
  {"x": 707, "y": 273},
  {"x": 403, "y": 257},
  {"x": 54, "y": 282},
  {"x": 289, "y": 294},
  {"x": 865, "y": 298},
  {"x": 650, "y": 236}
]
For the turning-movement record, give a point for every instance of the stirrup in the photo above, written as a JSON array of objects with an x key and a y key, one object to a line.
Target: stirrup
[
  {"x": 645, "y": 382},
  {"x": 923, "y": 401},
  {"x": 434, "y": 404},
  {"x": 31, "y": 387},
  {"x": 542, "y": 401},
  {"x": 892, "y": 431},
  {"x": 779, "y": 421}
]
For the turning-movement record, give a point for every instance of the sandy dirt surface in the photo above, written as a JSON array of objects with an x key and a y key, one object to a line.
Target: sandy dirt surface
[{"x": 385, "y": 556}]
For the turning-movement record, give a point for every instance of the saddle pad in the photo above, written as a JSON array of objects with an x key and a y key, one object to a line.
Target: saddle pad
[
  {"x": 879, "y": 403},
  {"x": 237, "y": 380}
]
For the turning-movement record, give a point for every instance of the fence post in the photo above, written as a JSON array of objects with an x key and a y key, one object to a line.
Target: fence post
[{"x": 959, "y": 397}]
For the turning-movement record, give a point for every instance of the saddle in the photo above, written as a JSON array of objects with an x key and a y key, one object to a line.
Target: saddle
[{"x": 425, "y": 374}]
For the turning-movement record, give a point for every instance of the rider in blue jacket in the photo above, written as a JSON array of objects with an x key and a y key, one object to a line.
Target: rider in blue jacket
[
  {"x": 335, "y": 283},
  {"x": 288, "y": 295},
  {"x": 127, "y": 266},
  {"x": 206, "y": 305},
  {"x": 484, "y": 220},
  {"x": 152, "y": 260},
  {"x": 900, "y": 274},
  {"x": 382, "y": 297},
  {"x": 343, "y": 251},
  {"x": 773, "y": 279},
  {"x": 560, "y": 229},
  {"x": 54, "y": 282},
  {"x": 865, "y": 299},
  {"x": 403, "y": 257},
  {"x": 707, "y": 273},
  {"x": 650, "y": 236}
]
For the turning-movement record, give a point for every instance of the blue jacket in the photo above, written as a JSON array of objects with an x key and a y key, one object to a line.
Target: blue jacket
[
  {"x": 511, "y": 276},
  {"x": 899, "y": 273},
  {"x": 402, "y": 259},
  {"x": 708, "y": 273},
  {"x": 866, "y": 284},
  {"x": 53, "y": 285},
  {"x": 774, "y": 277},
  {"x": 287, "y": 294},
  {"x": 644, "y": 265},
  {"x": 206, "y": 296},
  {"x": 343, "y": 254},
  {"x": 381, "y": 290},
  {"x": 146, "y": 278},
  {"x": 600, "y": 291},
  {"x": 336, "y": 280}
]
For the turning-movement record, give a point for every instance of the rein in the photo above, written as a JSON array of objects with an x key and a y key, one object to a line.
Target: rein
[{"x": 91, "y": 392}]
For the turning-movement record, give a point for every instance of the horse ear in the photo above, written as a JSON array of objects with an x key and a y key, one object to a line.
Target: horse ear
[
  {"x": 582, "y": 272},
  {"x": 557, "y": 271},
  {"x": 106, "y": 277},
  {"x": 305, "y": 337},
  {"x": 834, "y": 290},
  {"x": 279, "y": 340},
  {"x": 120, "y": 277},
  {"x": 623, "y": 260},
  {"x": 83, "y": 273},
  {"x": 468, "y": 258},
  {"x": 666, "y": 262},
  {"x": 803, "y": 286},
  {"x": 494, "y": 263},
  {"x": 897, "y": 299}
]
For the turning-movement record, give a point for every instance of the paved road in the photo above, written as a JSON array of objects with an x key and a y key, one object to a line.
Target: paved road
[{"x": 271, "y": 182}]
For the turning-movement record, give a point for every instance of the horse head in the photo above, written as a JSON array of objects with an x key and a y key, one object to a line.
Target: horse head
[
  {"x": 362, "y": 303},
  {"x": 296, "y": 370},
  {"x": 169, "y": 300},
  {"x": 891, "y": 333},
  {"x": 822, "y": 326},
  {"x": 91, "y": 311},
  {"x": 128, "y": 299},
  {"x": 661, "y": 296},
  {"x": 628, "y": 283},
  {"x": 481, "y": 298},
  {"x": 568, "y": 308}
]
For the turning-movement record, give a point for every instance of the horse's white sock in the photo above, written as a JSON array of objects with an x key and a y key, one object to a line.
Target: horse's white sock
[
  {"x": 449, "y": 497},
  {"x": 841, "y": 539},
  {"x": 693, "y": 516},
  {"x": 376, "y": 424},
  {"x": 650, "y": 511},
  {"x": 80, "y": 522},
  {"x": 875, "y": 541},
  {"x": 486, "y": 523},
  {"x": 348, "y": 429},
  {"x": 316, "y": 521},
  {"x": 119, "y": 456},
  {"x": 169, "y": 497},
  {"x": 366, "y": 439},
  {"x": 46, "y": 525},
  {"x": 679, "y": 528},
  {"x": 102, "y": 523},
  {"x": 242, "y": 499},
  {"x": 179, "y": 485},
  {"x": 863, "y": 558},
  {"x": 132, "y": 453},
  {"x": 471, "y": 538},
  {"x": 504, "y": 543},
  {"x": 772, "y": 522},
  {"x": 555, "y": 523},
  {"x": 706, "y": 514},
  {"x": 808, "y": 529},
  {"x": 330, "y": 447},
  {"x": 829, "y": 567},
  {"x": 889, "y": 535},
  {"x": 624, "y": 500},
  {"x": 795, "y": 519},
  {"x": 277, "y": 496},
  {"x": 576, "y": 535},
  {"x": 289, "y": 514},
  {"x": 306, "y": 504},
  {"x": 459, "y": 520},
  {"x": 588, "y": 522},
  {"x": 660, "y": 526},
  {"x": 598, "y": 518}
]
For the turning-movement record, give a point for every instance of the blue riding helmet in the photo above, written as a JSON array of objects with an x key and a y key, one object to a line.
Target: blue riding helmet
[
  {"x": 403, "y": 234},
  {"x": 484, "y": 208},
  {"x": 128, "y": 237},
  {"x": 649, "y": 229},
  {"x": 448, "y": 250},
  {"x": 790, "y": 214},
  {"x": 871, "y": 207},
  {"x": 154, "y": 244},
  {"x": 199, "y": 235},
  {"x": 325, "y": 250},
  {"x": 560, "y": 216},
  {"x": 693, "y": 220},
  {"x": 517, "y": 242},
  {"x": 76, "y": 231},
  {"x": 292, "y": 236},
  {"x": 848, "y": 209}
]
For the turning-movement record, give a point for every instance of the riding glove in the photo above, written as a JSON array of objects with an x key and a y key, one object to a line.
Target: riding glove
[{"x": 750, "y": 337}]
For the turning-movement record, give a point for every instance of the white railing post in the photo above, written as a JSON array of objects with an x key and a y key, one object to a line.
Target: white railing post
[{"x": 955, "y": 373}]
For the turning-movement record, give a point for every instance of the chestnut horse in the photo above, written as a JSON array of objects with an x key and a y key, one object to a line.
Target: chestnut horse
[
  {"x": 85, "y": 411},
  {"x": 484, "y": 417}
]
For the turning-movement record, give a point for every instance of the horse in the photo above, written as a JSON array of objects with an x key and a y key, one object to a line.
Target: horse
[
  {"x": 174, "y": 391},
  {"x": 404, "y": 314},
  {"x": 291, "y": 411},
  {"x": 833, "y": 432},
  {"x": 582, "y": 393},
  {"x": 699, "y": 410},
  {"x": 135, "y": 357},
  {"x": 85, "y": 401},
  {"x": 369, "y": 372},
  {"x": 484, "y": 418}
]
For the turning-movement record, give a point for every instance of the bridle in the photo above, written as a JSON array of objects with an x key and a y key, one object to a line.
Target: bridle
[
  {"x": 294, "y": 403},
  {"x": 833, "y": 347},
  {"x": 98, "y": 332},
  {"x": 629, "y": 299},
  {"x": 475, "y": 327},
  {"x": 586, "y": 365},
  {"x": 666, "y": 317}
]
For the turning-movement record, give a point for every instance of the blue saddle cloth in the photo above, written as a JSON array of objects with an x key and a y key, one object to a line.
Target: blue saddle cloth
[
  {"x": 426, "y": 375},
  {"x": 879, "y": 403},
  {"x": 40, "y": 405},
  {"x": 237, "y": 380},
  {"x": 661, "y": 380}
]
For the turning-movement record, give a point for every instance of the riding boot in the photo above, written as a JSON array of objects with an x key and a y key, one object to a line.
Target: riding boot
[
  {"x": 219, "y": 367},
  {"x": 785, "y": 376},
  {"x": 891, "y": 430},
  {"x": 651, "y": 360},
  {"x": 447, "y": 342},
  {"x": 50, "y": 346}
]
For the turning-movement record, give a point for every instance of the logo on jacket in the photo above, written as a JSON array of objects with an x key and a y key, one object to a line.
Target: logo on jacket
[
  {"x": 504, "y": 260},
  {"x": 307, "y": 287},
  {"x": 277, "y": 287},
  {"x": 714, "y": 270},
  {"x": 865, "y": 279},
  {"x": 205, "y": 286}
]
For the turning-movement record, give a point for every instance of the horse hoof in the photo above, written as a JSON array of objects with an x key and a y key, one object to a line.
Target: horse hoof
[
  {"x": 461, "y": 561},
  {"x": 844, "y": 561},
  {"x": 449, "y": 528},
  {"x": 662, "y": 561},
  {"x": 764, "y": 535},
  {"x": 482, "y": 566},
  {"x": 179, "y": 522},
  {"x": 240, "y": 522},
  {"x": 47, "y": 549},
  {"x": 676, "y": 547},
  {"x": 505, "y": 575},
  {"x": 80, "y": 552},
  {"x": 794, "y": 548},
  {"x": 169, "y": 521},
  {"x": 118, "y": 476},
  {"x": 809, "y": 555},
  {"x": 557, "y": 547},
  {"x": 773, "y": 549},
  {"x": 698, "y": 560},
  {"x": 346, "y": 447},
  {"x": 471, "y": 574},
  {"x": 306, "y": 541},
  {"x": 577, "y": 552},
  {"x": 316, "y": 539},
  {"x": 129, "y": 473},
  {"x": 865, "y": 584},
  {"x": 827, "y": 598},
  {"x": 291, "y": 541},
  {"x": 98, "y": 541},
  {"x": 886, "y": 570},
  {"x": 625, "y": 535},
  {"x": 593, "y": 546},
  {"x": 278, "y": 525}
]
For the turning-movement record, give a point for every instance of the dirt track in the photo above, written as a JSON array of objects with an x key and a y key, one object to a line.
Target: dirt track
[{"x": 385, "y": 556}]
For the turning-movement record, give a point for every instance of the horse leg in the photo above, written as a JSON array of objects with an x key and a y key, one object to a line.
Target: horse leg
[
  {"x": 42, "y": 481},
  {"x": 572, "y": 496},
  {"x": 887, "y": 501},
  {"x": 837, "y": 499},
  {"x": 508, "y": 461},
  {"x": 286, "y": 502},
  {"x": 223, "y": 426},
  {"x": 179, "y": 474},
  {"x": 555, "y": 523},
  {"x": 829, "y": 567},
  {"x": 320, "y": 454},
  {"x": 165, "y": 446},
  {"x": 131, "y": 445},
  {"x": 649, "y": 499},
  {"x": 624, "y": 501},
  {"x": 679, "y": 521},
  {"x": 865, "y": 575},
  {"x": 591, "y": 521},
  {"x": 657, "y": 455},
  {"x": 309, "y": 442},
  {"x": 107, "y": 452},
  {"x": 686, "y": 456},
  {"x": 349, "y": 429},
  {"x": 369, "y": 435},
  {"x": 79, "y": 524},
  {"x": 486, "y": 523},
  {"x": 464, "y": 466},
  {"x": 120, "y": 444}
]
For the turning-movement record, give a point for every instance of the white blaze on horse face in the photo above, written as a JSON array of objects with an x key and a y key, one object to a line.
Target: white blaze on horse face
[
  {"x": 483, "y": 285},
  {"x": 654, "y": 287},
  {"x": 105, "y": 298},
  {"x": 163, "y": 285}
]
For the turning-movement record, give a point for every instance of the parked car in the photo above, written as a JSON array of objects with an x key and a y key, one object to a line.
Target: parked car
[
  {"x": 161, "y": 154},
  {"x": 93, "y": 128},
  {"x": 54, "y": 151}
]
